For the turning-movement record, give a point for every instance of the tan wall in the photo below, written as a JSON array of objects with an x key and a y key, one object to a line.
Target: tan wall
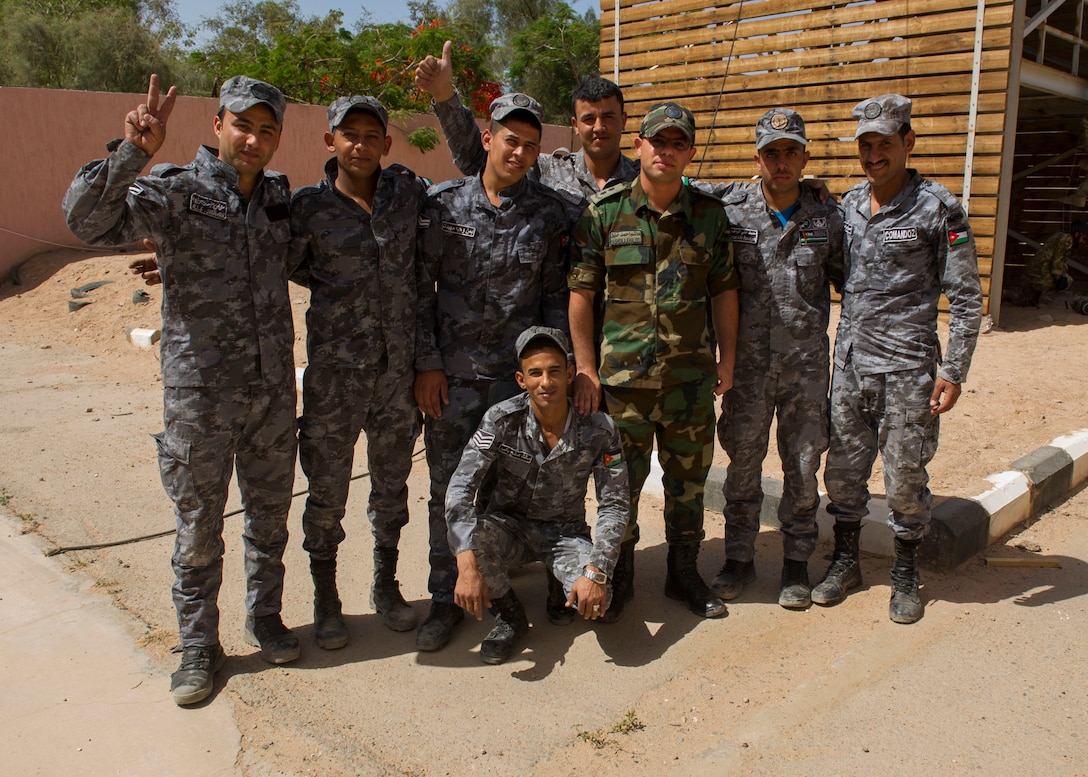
[{"x": 49, "y": 134}]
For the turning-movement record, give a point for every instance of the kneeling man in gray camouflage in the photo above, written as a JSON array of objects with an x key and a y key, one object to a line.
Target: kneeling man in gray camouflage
[{"x": 539, "y": 454}]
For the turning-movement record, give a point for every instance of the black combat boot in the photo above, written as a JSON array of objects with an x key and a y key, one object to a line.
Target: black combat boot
[
  {"x": 732, "y": 578},
  {"x": 558, "y": 612},
  {"x": 795, "y": 593},
  {"x": 510, "y": 625},
  {"x": 682, "y": 582},
  {"x": 437, "y": 627},
  {"x": 906, "y": 604},
  {"x": 330, "y": 631},
  {"x": 623, "y": 583},
  {"x": 385, "y": 596},
  {"x": 844, "y": 573}
]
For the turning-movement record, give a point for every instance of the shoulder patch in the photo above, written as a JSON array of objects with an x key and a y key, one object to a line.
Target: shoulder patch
[
  {"x": 483, "y": 440},
  {"x": 735, "y": 197},
  {"x": 167, "y": 170},
  {"x": 303, "y": 192},
  {"x": 947, "y": 198},
  {"x": 453, "y": 183},
  {"x": 396, "y": 168},
  {"x": 610, "y": 192}
]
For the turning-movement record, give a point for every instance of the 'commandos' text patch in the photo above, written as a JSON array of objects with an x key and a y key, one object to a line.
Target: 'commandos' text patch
[{"x": 899, "y": 235}]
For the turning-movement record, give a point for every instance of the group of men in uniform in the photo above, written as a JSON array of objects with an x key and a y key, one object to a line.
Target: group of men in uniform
[{"x": 449, "y": 310}]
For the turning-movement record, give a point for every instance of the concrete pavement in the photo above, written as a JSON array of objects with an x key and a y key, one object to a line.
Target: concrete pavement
[{"x": 80, "y": 697}]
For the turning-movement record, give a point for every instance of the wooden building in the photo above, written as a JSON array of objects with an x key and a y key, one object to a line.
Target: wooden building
[{"x": 999, "y": 90}]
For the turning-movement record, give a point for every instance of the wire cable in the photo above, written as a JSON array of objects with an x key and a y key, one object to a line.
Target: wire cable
[{"x": 168, "y": 532}]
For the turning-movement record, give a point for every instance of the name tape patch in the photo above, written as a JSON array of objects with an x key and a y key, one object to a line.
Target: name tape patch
[
  {"x": 506, "y": 450},
  {"x": 899, "y": 235},
  {"x": 742, "y": 235},
  {"x": 449, "y": 228},
  {"x": 628, "y": 237},
  {"x": 206, "y": 206}
]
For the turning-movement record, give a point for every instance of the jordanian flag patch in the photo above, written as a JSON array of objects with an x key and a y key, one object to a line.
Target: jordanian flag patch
[
  {"x": 957, "y": 237},
  {"x": 484, "y": 440},
  {"x": 613, "y": 460}
]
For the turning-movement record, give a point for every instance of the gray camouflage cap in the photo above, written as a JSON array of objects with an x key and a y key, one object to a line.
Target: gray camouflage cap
[
  {"x": 508, "y": 104},
  {"x": 241, "y": 93},
  {"x": 780, "y": 124},
  {"x": 883, "y": 115},
  {"x": 664, "y": 115},
  {"x": 557, "y": 336},
  {"x": 357, "y": 102}
]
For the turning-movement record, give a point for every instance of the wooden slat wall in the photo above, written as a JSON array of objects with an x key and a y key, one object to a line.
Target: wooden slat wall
[{"x": 729, "y": 63}]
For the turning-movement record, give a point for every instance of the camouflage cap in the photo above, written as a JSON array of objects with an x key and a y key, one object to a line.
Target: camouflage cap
[
  {"x": 664, "y": 115},
  {"x": 341, "y": 106},
  {"x": 557, "y": 336},
  {"x": 241, "y": 93},
  {"x": 780, "y": 124},
  {"x": 883, "y": 115},
  {"x": 508, "y": 104}
]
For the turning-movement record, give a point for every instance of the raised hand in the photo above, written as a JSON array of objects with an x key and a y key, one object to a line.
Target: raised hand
[
  {"x": 145, "y": 127},
  {"x": 436, "y": 75}
]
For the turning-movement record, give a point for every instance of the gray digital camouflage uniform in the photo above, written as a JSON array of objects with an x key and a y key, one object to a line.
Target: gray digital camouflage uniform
[
  {"x": 360, "y": 339},
  {"x": 229, "y": 398},
  {"x": 782, "y": 363},
  {"x": 491, "y": 272},
  {"x": 887, "y": 354},
  {"x": 565, "y": 172},
  {"x": 536, "y": 509}
]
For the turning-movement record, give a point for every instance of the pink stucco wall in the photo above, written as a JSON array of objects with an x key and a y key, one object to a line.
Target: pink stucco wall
[{"x": 49, "y": 134}]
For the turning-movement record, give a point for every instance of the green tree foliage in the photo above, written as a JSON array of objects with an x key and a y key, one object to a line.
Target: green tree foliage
[
  {"x": 540, "y": 47},
  {"x": 315, "y": 59},
  {"x": 105, "y": 45},
  {"x": 551, "y": 56}
]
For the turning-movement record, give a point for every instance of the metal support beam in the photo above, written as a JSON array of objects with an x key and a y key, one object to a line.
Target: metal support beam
[
  {"x": 1046, "y": 163},
  {"x": 1041, "y": 17},
  {"x": 1052, "y": 81}
]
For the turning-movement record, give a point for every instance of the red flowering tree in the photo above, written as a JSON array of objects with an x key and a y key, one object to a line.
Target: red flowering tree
[{"x": 315, "y": 60}]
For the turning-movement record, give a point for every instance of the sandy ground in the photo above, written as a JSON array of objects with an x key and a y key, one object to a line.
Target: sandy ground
[{"x": 990, "y": 680}]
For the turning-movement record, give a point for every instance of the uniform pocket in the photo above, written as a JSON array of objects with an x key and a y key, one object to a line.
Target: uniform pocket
[
  {"x": 175, "y": 470},
  {"x": 629, "y": 278}
]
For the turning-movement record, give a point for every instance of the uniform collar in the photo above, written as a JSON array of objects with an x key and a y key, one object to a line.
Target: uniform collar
[
  {"x": 207, "y": 159},
  {"x": 678, "y": 207}
]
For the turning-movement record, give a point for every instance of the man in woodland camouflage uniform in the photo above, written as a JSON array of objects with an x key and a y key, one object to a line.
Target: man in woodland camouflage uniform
[
  {"x": 657, "y": 250},
  {"x": 785, "y": 242},
  {"x": 907, "y": 240},
  {"x": 221, "y": 228},
  {"x": 493, "y": 268},
  {"x": 539, "y": 454},
  {"x": 355, "y": 242}
]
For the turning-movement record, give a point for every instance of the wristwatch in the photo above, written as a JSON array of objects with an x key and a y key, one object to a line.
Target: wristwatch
[{"x": 597, "y": 577}]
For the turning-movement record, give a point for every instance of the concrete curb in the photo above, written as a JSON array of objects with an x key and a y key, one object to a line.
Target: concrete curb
[{"x": 961, "y": 527}]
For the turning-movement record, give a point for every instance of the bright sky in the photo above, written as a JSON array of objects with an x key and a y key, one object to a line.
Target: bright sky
[{"x": 192, "y": 11}]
